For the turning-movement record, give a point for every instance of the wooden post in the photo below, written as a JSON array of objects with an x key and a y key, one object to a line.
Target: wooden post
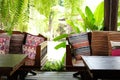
[{"x": 110, "y": 15}]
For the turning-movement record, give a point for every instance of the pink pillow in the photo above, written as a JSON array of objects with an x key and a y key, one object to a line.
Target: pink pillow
[
  {"x": 115, "y": 45},
  {"x": 30, "y": 51},
  {"x": 33, "y": 40},
  {"x": 5, "y": 38},
  {"x": 4, "y": 48},
  {"x": 116, "y": 52}
]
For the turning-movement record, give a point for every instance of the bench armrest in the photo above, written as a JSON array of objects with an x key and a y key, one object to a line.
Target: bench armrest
[
  {"x": 43, "y": 53},
  {"x": 68, "y": 56}
]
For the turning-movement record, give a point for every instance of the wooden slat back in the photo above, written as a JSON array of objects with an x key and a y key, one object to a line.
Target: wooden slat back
[{"x": 99, "y": 43}]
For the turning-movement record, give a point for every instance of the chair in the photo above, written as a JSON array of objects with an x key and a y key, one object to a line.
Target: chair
[
  {"x": 75, "y": 65},
  {"x": 98, "y": 41},
  {"x": 31, "y": 65},
  {"x": 35, "y": 46}
]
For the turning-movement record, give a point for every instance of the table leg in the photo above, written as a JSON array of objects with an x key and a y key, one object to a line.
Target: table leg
[
  {"x": 0, "y": 78},
  {"x": 94, "y": 79},
  {"x": 85, "y": 76},
  {"x": 14, "y": 76},
  {"x": 22, "y": 74}
]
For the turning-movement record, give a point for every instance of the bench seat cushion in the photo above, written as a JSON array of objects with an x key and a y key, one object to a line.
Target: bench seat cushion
[
  {"x": 30, "y": 51},
  {"x": 78, "y": 63},
  {"x": 3, "y": 45},
  {"x": 5, "y": 42}
]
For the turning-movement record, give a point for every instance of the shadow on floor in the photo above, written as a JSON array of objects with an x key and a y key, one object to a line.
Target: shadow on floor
[{"x": 52, "y": 76}]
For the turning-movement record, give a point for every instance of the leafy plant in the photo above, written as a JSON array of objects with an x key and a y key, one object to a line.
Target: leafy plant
[
  {"x": 92, "y": 21},
  {"x": 12, "y": 12},
  {"x": 118, "y": 23},
  {"x": 54, "y": 65}
]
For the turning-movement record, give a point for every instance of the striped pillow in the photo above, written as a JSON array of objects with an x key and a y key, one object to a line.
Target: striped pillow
[{"x": 80, "y": 44}]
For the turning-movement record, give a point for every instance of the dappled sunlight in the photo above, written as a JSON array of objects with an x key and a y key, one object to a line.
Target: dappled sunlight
[
  {"x": 92, "y": 4},
  {"x": 34, "y": 21}
]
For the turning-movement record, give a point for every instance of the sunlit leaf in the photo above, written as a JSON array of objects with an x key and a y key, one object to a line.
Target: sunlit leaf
[
  {"x": 99, "y": 14},
  {"x": 60, "y": 37},
  {"x": 61, "y": 45}
]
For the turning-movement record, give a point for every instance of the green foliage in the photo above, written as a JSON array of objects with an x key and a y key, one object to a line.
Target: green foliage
[
  {"x": 44, "y": 6},
  {"x": 61, "y": 45},
  {"x": 53, "y": 66},
  {"x": 99, "y": 15},
  {"x": 73, "y": 23},
  {"x": 92, "y": 21},
  {"x": 11, "y": 13},
  {"x": 71, "y": 7},
  {"x": 118, "y": 23},
  {"x": 60, "y": 37}
]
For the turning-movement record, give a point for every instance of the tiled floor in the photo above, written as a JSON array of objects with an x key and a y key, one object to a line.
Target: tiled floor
[
  {"x": 53, "y": 55},
  {"x": 49, "y": 76},
  {"x": 52, "y": 76}
]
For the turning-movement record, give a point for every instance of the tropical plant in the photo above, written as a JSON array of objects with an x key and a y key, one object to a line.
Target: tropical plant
[
  {"x": 90, "y": 22},
  {"x": 54, "y": 65},
  {"x": 12, "y": 13},
  {"x": 118, "y": 22},
  {"x": 45, "y": 8}
]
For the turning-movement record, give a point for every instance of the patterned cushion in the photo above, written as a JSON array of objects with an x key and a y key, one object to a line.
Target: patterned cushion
[
  {"x": 80, "y": 44},
  {"x": 3, "y": 45},
  {"x": 16, "y": 43},
  {"x": 30, "y": 51},
  {"x": 115, "y": 48},
  {"x": 6, "y": 38},
  {"x": 33, "y": 40}
]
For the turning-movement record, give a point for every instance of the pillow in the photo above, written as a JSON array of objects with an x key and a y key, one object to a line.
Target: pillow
[
  {"x": 115, "y": 48},
  {"x": 33, "y": 40},
  {"x": 80, "y": 44},
  {"x": 16, "y": 43},
  {"x": 6, "y": 39},
  {"x": 30, "y": 51},
  {"x": 3, "y": 45}
]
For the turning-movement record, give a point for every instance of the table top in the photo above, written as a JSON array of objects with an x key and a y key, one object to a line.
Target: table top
[
  {"x": 11, "y": 62},
  {"x": 102, "y": 62}
]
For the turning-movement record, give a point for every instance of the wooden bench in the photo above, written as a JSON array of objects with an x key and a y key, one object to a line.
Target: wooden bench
[
  {"x": 16, "y": 43},
  {"x": 99, "y": 46}
]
